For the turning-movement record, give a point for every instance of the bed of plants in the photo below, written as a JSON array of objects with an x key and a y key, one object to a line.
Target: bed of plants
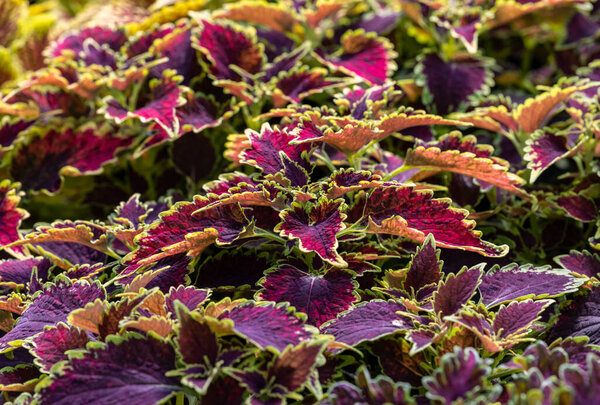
[{"x": 335, "y": 202}]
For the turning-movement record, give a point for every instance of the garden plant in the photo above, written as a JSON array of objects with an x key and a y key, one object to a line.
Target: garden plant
[{"x": 299, "y": 202}]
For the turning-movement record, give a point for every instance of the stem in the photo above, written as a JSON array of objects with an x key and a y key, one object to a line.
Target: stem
[
  {"x": 135, "y": 95},
  {"x": 399, "y": 170},
  {"x": 270, "y": 236}
]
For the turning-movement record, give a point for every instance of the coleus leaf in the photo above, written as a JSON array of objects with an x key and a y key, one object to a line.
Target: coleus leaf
[
  {"x": 425, "y": 267},
  {"x": 368, "y": 321},
  {"x": 450, "y": 84},
  {"x": 181, "y": 230},
  {"x": 363, "y": 55},
  {"x": 268, "y": 146},
  {"x": 546, "y": 147},
  {"x": 584, "y": 382},
  {"x": 578, "y": 206},
  {"x": 52, "y": 306},
  {"x": 582, "y": 262},
  {"x": 380, "y": 390},
  {"x": 517, "y": 317},
  {"x": 456, "y": 291},
  {"x": 580, "y": 318},
  {"x": 459, "y": 374},
  {"x": 170, "y": 271},
  {"x": 414, "y": 214},
  {"x": 266, "y": 325},
  {"x": 130, "y": 368},
  {"x": 191, "y": 297},
  {"x": 10, "y": 216},
  {"x": 18, "y": 273},
  {"x": 22, "y": 377},
  {"x": 407, "y": 117},
  {"x": 49, "y": 347},
  {"x": 360, "y": 103},
  {"x": 491, "y": 171},
  {"x": 227, "y": 44},
  {"x": 66, "y": 150},
  {"x": 321, "y": 298},
  {"x": 201, "y": 112},
  {"x": 295, "y": 85},
  {"x": 515, "y": 282},
  {"x": 176, "y": 46},
  {"x": 73, "y": 42},
  {"x": 275, "y": 16},
  {"x": 164, "y": 97},
  {"x": 315, "y": 225},
  {"x": 196, "y": 342},
  {"x": 57, "y": 238}
]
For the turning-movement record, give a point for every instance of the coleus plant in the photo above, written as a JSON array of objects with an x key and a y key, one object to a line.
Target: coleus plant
[{"x": 330, "y": 202}]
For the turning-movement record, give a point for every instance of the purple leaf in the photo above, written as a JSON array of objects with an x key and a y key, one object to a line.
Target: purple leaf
[
  {"x": 125, "y": 370},
  {"x": 578, "y": 207},
  {"x": 316, "y": 229},
  {"x": 450, "y": 84},
  {"x": 547, "y": 147},
  {"x": 10, "y": 215},
  {"x": 296, "y": 85},
  {"x": 74, "y": 42},
  {"x": 425, "y": 267},
  {"x": 268, "y": 325},
  {"x": 267, "y": 147},
  {"x": 459, "y": 373},
  {"x": 320, "y": 297},
  {"x": 364, "y": 55},
  {"x": 176, "y": 46},
  {"x": 456, "y": 291},
  {"x": 580, "y": 318},
  {"x": 39, "y": 162},
  {"x": 52, "y": 306},
  {"x": 584, "y": 382},
  {"x": 368, "y": 321},
  {"x": 583, "y": 262},
  {"x": 49, "y": 347},
  {"x": 517, "y": 317},
  {"x": 191, "y": 297},
  {"x": 15, "y": 273},
  {"x": 514, "y": 282}
]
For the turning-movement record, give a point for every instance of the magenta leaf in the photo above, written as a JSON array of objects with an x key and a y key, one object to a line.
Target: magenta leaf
[
  {"x": 456, "y": 291},
  {"x": 51, "y": 307},
  {"x": 126, "y": 369},
  {"x": 296, "y": 85},
  {"x": 414, "y": 214},
  {"x": 268, "y": 146},
  {"x": 191, "y": 297},
  {"x": 582, "y": 262},
  {"x": 68, "y": 150},
  {"x": 515, "y": 282},
  {"x": 164, "y": 97},
  {"x": 316, "y": 227},
  {"x": 321, "y": 298},
  {"x": 368, "y": 321},
  {"x": 226, "y": 45},
  {"x": 459, "y": 374},
  {"x": 578, "y": 207},
  {"x": 450, "y": 84},
  {"x": 363, "y": 55},
  {"x": 268, "y": 325},
  {"x": 49, "y": 347},
  {"x": 10, "y": 216},
  {"x": 547, "y": 147}
]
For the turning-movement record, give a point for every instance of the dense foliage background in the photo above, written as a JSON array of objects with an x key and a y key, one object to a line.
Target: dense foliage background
[{"x": 329, "y": 201}]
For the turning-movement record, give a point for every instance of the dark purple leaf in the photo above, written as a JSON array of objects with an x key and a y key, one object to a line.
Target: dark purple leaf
[
  {"x": 15, "y": 273},
  {"x": 130, "y": 369},
  {"x": 578, "y": 207},
  {"x": 517, "y": 317},
  {"x": 450, "y": 84},
  {"x": 425, "y": 267},
  {"x": 191, "y": 297},
  {"x": 196, "y": 342},
  {"x": 456, "y": 291},
  {"x": 320, "y": 297},
  {"x": 49, "y": 347},
  {"x": 580, "y": 318}
]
